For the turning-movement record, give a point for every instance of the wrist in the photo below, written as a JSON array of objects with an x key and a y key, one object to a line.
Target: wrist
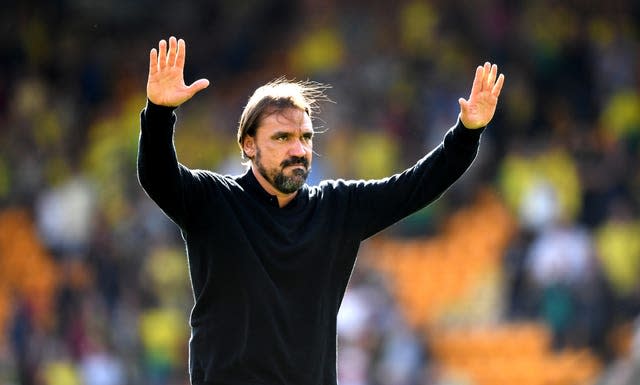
[{"x": 470, "y": 125}]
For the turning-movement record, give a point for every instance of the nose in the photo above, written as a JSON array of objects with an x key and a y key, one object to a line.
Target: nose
[{"x": 298, "y": 148}]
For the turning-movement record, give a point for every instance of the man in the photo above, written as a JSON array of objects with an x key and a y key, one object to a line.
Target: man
[{"x": 269, "y": 256}]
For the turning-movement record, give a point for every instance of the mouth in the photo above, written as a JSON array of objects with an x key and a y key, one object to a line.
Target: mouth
[
  {"x": 295, "y": 162},
  {"x": 297, "y": 170}
]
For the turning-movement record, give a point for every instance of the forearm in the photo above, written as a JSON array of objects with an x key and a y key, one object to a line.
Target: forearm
[
  {"x": 442, "y": 167},
  {"x": 159, "y": 172},
  {"x": 402, "y": 194},
  {"x": 461, "y": 147}
]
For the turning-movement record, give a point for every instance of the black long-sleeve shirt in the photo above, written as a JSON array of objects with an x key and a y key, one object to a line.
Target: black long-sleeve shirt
[{"x": 268, "y": 281}]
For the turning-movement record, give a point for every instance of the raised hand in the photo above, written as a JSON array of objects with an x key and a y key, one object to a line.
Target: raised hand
[
  {"x": 478, "y": 111},
  {"x": 165, "y": 85}
]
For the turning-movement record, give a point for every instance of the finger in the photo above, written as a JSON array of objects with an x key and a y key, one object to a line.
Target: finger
[
  {"x": 492, "y": 76},
  {"x": 465, "y": 114},
  {"x": 486, "y": 72},
  {"x": 498, "y": 86},
  {"x": 477, "y": 80},
  {"x": 162, "y": 54},
  {"x": 181, "y": 54},
  {"x": 198, "y": 86},
  {"x": 153, "y": 62},
  {"x": 464, "y": 105},
  {"x": 173, "y": 48}
]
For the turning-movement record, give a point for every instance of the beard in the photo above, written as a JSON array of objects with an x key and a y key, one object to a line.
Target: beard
[{"x": 286, "y": 184}]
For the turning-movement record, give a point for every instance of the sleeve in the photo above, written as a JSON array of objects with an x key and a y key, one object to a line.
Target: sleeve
[
  {"x": 377, "y": 204},
  {"x": 164, "y": 180}
]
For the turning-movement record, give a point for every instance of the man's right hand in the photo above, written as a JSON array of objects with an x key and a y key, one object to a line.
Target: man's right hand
[{"x": 165, "y": 86}]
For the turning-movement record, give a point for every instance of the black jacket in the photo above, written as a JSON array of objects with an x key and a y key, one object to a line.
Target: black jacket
[{"x": 268, "y": 281}]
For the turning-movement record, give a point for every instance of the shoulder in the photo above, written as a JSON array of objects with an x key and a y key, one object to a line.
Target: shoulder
[
  {"x": 334, "y": 185},
  {"x": 339, "y": 186},
  {"x": 206, "y": 177}
]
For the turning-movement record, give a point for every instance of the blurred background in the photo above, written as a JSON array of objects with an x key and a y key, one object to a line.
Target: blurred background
[{"x": 526, "y": 272}]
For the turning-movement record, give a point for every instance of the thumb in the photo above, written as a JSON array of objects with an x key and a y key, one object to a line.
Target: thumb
[
  {"x": 198, "y": 85},
  {"x": 464, "y": 105}
]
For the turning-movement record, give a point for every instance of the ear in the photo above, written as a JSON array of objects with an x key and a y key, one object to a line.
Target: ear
[{"x": 249, "y": 146}]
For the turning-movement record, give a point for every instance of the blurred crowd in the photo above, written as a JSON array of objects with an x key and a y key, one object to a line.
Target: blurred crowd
[{"x": 93, "y": 279}]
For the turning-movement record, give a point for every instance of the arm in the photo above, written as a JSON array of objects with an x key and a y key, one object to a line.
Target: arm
[
  {"x": 159, "y": 172},
  {"x": 378, "y": 204}
]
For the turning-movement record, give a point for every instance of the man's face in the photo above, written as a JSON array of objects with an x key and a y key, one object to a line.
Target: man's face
[{"x": 282, "y": 149}]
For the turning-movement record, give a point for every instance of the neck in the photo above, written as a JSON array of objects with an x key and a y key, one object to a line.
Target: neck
[{"x": 283, "y": 199}]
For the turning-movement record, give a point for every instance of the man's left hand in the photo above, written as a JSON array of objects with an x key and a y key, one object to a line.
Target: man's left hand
[{"x": 478, "y": 110}]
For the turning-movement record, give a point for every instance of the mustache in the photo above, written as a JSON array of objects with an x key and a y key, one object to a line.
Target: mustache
[{"x": 295, "y": 160}]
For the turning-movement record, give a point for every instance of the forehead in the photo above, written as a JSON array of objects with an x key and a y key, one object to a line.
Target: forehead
[{"x": 290, "y": 119}]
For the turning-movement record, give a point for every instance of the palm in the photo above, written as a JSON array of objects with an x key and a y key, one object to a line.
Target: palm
[
  {"x": 165, "y": 85},
  {"x": 478, "y": 111},
  {"x": 167, "y": 88}
]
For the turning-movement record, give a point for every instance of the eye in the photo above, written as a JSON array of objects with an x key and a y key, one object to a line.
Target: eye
[
  {"x": 281, "y": 138},
  {"x": 307, "y": 137}
]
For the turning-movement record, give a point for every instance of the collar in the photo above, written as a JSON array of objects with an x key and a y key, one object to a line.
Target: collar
[{"x": 251, "y": 185}]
